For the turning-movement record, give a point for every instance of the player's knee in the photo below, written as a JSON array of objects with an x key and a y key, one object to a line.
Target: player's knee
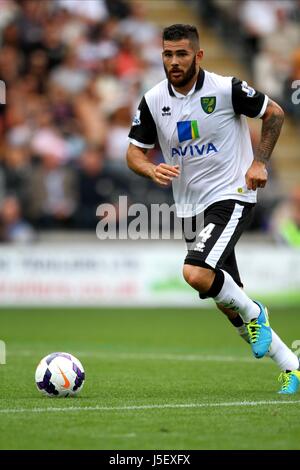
[{"x": 198, "y": 278}]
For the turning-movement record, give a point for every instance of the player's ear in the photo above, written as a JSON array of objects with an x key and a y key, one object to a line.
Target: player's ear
[{"x": 199, "y": 55}]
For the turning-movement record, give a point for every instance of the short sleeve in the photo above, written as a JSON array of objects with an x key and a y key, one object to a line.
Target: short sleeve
[
  {"x": 246, "y": 100},
  {"x": 143, "y": 130}
]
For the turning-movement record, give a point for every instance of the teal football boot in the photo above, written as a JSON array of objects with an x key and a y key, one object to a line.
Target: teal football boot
[
  {"x": 290, "y": 382},
  {"x": 260, "y": 333}
]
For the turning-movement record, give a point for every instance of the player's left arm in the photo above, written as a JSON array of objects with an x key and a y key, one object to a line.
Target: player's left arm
[
  {"x": 254, "y": 104},
  {"x": 273, "y": 117}
]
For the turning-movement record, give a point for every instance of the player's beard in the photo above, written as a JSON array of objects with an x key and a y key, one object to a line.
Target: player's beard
[{"x": 186, "y": 78}]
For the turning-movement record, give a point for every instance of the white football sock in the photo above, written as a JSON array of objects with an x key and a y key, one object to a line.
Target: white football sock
[
  {"x": 282, "y": 355},
  {"x": 243, "y": 332},
  {"x": 278, "y": 352},
  {"x": 232, "y": 296}
]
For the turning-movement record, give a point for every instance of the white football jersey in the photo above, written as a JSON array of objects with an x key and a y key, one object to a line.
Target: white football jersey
[{"x": 204, "y": 132}]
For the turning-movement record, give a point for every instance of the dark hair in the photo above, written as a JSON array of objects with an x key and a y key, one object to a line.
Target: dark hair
[{"x": 176, "y": 32}]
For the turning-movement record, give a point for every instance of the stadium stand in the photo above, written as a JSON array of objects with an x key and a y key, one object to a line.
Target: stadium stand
[{"x": 74, "y": 75}]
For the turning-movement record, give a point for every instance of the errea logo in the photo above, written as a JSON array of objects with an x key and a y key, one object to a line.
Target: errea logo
[{"x": 166, "y": 111}]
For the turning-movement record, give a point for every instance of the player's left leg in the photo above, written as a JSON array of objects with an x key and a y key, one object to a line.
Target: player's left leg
[
  {"x": 290, "y": 382},
  {"x": 222, "y": 283},
  {"x": 279, "y": 352},
  {"x": 236, "y": 321}
]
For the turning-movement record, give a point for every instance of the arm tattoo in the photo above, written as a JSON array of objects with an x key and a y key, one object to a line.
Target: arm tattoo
[{"x": 270, "y": 132}]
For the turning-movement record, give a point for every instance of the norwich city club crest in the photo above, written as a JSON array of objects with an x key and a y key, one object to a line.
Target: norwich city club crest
[{"x": 208, "y": 104}]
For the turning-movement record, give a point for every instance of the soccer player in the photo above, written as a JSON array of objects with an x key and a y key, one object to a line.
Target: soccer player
[{"x": 199, "y": 120}]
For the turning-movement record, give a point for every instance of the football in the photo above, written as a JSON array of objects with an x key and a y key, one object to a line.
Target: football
[{"x": 59, "y": 375}]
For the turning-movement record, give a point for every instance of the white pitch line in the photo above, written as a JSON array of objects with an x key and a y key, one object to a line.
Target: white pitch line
[
  {"x": 149, "y": 407},
  {"x": 155, "y": 356},
  {"x": 170, "y": 357},
  {"x": 116, "y": 436}
]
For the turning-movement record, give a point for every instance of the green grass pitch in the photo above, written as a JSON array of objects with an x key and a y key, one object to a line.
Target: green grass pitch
[{"x": 155, "y": 379}]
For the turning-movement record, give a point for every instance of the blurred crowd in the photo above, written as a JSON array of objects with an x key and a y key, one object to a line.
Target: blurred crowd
[
  {"x": 266, "y": 36},
  {"x": 74, "y": 73}
]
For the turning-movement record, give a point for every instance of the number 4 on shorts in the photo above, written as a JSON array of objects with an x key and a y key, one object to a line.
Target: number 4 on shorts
[{"x": 204, "y": 235}]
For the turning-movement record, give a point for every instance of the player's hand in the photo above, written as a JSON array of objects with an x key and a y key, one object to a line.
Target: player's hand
[
  {"x": 256, "y": 176},
  {"x": 163, "y": 174}
]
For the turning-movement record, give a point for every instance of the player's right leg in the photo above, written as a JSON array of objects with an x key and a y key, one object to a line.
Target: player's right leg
[
  {"x": 226, "y": 292},
  {"x": 279, "y": 352},
  {"x": 223, "y": 224},
  {"x": 229, "y": 264}
]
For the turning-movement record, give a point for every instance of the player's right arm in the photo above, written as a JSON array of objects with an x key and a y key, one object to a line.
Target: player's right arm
[
  {"x": 142, "y": 137},
  {"x": 138, "y": 161}
]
